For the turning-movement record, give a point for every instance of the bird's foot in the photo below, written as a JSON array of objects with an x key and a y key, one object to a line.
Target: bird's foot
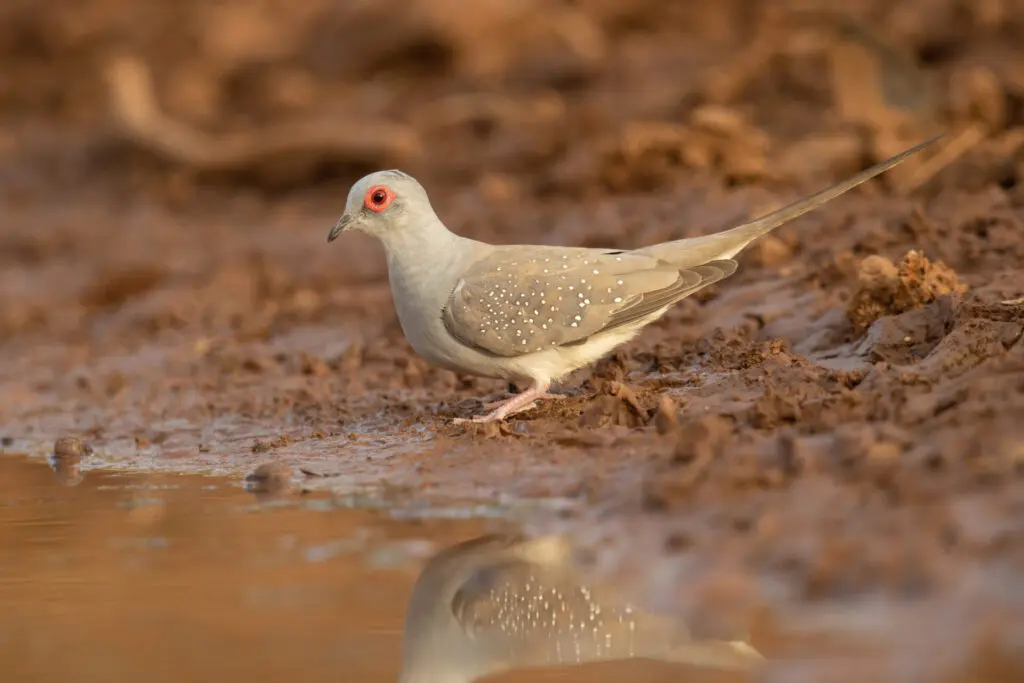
[
  {"x": 496, "y": 398},
  {"x": 492, "y": 405},
  {"x": 511, "y": 406}
]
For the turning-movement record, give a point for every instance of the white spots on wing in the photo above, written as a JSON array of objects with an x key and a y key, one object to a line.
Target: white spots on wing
[{"x": 524, "y": 306}]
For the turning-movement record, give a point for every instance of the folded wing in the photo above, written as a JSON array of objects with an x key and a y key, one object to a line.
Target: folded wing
[{"x": 521, "y": 300}]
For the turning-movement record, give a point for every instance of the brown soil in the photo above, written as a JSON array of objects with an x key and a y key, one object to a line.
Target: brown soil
[{"x": 843, "y": 416}]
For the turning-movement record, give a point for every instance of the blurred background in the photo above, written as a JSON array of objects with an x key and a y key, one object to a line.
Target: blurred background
[{"x": 841, "y": 417}]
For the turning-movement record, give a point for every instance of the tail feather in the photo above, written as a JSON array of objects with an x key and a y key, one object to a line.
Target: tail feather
[{"x": 694, "y": 251}]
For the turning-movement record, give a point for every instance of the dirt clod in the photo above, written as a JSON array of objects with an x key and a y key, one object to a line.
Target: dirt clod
[{"x": 885, "y": 288}]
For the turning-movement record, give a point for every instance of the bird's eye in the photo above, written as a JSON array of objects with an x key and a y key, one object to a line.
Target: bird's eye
[{"x": 378, "y": 198}]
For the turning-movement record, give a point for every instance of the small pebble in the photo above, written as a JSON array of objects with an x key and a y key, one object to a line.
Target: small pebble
[{"x": 270, "y": 478}]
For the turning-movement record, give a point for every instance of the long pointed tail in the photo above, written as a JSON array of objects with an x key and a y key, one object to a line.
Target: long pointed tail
[{"x": 724, "y": 245}]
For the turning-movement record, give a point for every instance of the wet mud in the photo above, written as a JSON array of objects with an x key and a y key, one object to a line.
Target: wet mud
[{"x": 829, "y": 440}]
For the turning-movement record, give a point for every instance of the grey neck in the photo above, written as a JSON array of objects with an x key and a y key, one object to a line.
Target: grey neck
[
  {"x": 424, "y": 265},
  {"x": 426, "y": 252}
]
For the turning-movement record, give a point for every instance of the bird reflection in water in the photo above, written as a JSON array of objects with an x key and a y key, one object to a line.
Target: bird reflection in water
[{"x": 502, "y": 602}]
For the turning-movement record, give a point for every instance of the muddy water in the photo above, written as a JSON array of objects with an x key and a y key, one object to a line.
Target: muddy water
[{"x": 118, "y": 577}]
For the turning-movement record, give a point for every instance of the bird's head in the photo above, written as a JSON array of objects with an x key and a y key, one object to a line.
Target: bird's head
[{"x": 384, "y": 204}]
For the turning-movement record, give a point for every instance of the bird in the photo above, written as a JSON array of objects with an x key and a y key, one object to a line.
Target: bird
[
  {"x": 533, "y": 314},
  {"x": 505, "y": 601}
]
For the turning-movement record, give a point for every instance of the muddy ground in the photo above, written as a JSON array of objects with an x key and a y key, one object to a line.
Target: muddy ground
[{"x": 841, "y": 419}]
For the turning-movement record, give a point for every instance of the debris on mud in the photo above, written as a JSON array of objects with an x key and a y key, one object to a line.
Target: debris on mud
[
  {"x": 616, "y": 404},
  {"x": 260, "y": 446}
]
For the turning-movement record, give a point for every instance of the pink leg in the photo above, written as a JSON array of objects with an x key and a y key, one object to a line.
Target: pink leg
[
  {"x": 513, "y": 404},
  {"x": 491, "y": 405}
]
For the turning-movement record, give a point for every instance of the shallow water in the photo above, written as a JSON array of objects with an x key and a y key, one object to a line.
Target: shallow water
[{"x": 123, "y": 577}]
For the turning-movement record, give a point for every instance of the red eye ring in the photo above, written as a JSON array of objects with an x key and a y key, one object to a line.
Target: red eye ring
[{"x": 378, "y": 198}]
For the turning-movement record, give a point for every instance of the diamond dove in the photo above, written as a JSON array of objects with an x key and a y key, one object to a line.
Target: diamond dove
[{"x": 530, "y": 314}]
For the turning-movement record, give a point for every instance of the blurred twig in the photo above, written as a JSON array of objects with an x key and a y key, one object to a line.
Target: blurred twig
[
  {"x": 140, "y": 119},
  {"x": 950, "y": 150}
]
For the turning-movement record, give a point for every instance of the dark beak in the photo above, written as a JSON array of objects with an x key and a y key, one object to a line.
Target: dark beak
[{"x": 339, "y": 227}]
